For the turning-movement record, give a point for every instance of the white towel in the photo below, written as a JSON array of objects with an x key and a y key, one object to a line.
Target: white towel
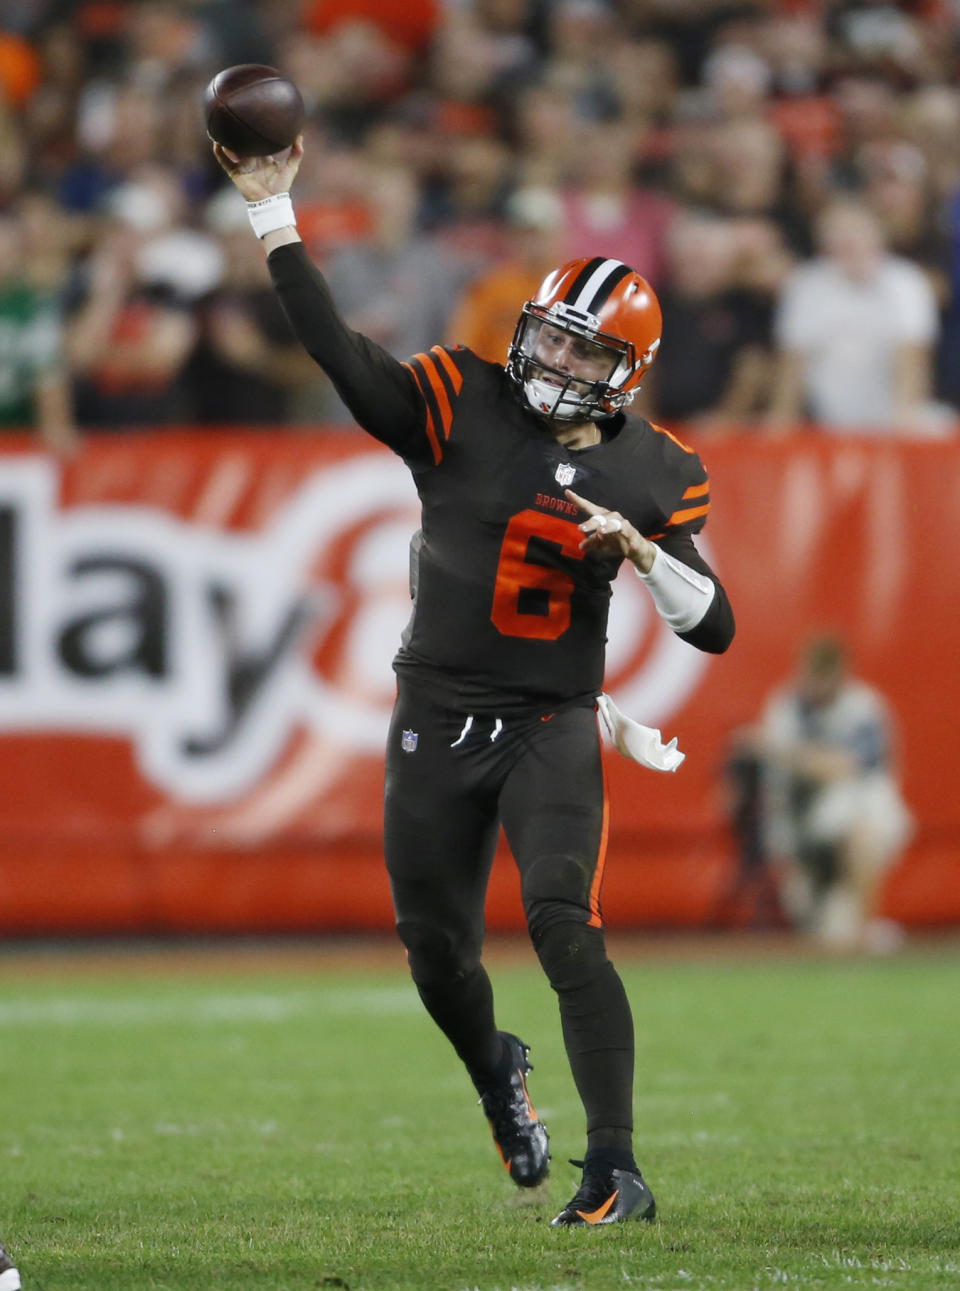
[{"x": 640, "y": 743}]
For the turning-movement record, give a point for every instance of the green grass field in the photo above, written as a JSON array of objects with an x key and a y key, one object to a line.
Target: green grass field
[{"x": 289, "y": 1124}]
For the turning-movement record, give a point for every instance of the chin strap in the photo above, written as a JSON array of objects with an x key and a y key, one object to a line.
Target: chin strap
[{"x": 551, "y": 401}]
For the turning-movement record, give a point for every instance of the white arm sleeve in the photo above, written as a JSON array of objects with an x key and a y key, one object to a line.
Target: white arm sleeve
[{"x": 681, "y": 594}]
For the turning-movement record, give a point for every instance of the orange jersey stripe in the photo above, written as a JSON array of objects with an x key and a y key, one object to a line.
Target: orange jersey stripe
[
  {"x": 439, "y": 390},
  {"x": 453, "y": 372},
  {"x": 697, "y": 490},
  {"x": 679, "y": 443},
  {"x": 430, "y": 425},
  {"x": 680, "y": 517},
  {"x": 596, "y": 919}
]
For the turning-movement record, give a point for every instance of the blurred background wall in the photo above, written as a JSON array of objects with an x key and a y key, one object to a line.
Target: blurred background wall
[{"x": 203, "y": 564}]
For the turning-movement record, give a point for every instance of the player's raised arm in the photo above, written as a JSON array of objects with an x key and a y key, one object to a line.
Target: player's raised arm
[{"x": 380, "y": 392}]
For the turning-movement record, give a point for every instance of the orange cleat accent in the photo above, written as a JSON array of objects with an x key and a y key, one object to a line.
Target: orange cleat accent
[
  {"x": 519, "y": 1135},
  {"x": 594, "y": 1216},
  {"x": 607, "y": 1196}
]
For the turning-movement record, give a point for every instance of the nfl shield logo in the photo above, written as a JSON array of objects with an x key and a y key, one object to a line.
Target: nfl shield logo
[
  {"x": 564, "y": 474},
  {"x": 408, "y": 741}
]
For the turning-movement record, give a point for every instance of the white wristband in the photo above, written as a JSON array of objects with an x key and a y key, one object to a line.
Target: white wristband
[
  {"x": 271, "y": 213},
  {"x": 682, "y": 596}
]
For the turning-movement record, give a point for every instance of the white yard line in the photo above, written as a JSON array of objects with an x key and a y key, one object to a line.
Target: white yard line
[{"x": 91, "y": 1010}]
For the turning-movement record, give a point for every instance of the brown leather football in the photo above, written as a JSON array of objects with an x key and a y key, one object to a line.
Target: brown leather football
[{"x": 253, "y": 110}]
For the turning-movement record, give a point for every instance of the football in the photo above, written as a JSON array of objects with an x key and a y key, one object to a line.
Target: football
[{"x": 253, "y": 110}]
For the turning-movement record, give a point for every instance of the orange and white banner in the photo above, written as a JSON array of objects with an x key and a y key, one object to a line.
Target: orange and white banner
[{"x": 195, "y": 642}]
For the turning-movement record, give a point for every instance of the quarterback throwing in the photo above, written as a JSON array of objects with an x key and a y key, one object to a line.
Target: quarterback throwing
[{"x": 535, "y": 487}]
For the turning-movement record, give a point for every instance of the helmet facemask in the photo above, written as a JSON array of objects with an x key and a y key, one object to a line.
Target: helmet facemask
[{"x": 555, "y": 392}]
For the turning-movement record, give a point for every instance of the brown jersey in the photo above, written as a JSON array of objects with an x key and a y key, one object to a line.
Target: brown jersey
[
  {"x": 508, "y": 612},
  {"x": 505, "y": 600}
]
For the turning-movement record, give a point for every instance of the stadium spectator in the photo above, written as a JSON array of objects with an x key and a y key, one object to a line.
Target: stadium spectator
[
  {"x": 855, "y": 331},
  {"x": 544, "y": 126},
  {"x": 131, "y": 337},
  {"x": 336, "y": 206},
  {"x": 363, "y": 70},
  {"x": 50, "y": 115},
  {"x": 736, "y": 80},
  {"x": 607, "y": 212},
  {"x": 395, "y": 286},
  {"x": 749, "y": 159},
  {"x": 486, "y": 315},
  {"x": 247, "y": 367},
  {"x": 720, "y": 371},
  {"x": 931, "y": 122},
  {"x": 634, "y": 110},
  {"x": 34, "y": 381},
  {"x": 464, "y": 206},
  {"x": 796, "y": 48},
  {"x": 834, "y": 814},
  {"x": 473, "y": 72},
  {"x": 643, "y": 87},
  {"x": 582, "y": 39}
]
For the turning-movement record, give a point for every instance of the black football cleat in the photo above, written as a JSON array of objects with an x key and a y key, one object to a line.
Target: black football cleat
[
  {"x": 9, "y": 1277},
  {"x": 521, "y": 1137},
  {"x": 607, "y": 1196}
]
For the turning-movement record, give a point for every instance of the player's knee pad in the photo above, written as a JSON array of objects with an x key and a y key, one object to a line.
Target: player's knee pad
[
  {"x": 573, "y": 955},
  {"x": 435, "y": 955},
  {"x": 556, "y": 889}
]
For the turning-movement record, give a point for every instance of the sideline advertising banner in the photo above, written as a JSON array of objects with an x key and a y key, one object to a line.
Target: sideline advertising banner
[{"x": 195, "y": 642}]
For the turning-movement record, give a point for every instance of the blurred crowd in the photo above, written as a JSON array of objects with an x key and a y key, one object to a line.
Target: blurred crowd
[{"x": 785, "y": 172}]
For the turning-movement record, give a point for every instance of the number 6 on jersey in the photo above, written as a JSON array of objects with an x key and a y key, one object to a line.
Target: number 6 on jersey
[{"x": 516, "y": 574}]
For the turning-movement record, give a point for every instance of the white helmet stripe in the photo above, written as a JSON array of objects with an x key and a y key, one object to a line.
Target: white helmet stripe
[{"x": 593, "y": 284}]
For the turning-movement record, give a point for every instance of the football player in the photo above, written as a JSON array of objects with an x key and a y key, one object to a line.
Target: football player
[{"x": 535, "y": 487}]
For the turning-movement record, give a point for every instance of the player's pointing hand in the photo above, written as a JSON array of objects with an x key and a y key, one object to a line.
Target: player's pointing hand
[{"x": 610, "y": 534}]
